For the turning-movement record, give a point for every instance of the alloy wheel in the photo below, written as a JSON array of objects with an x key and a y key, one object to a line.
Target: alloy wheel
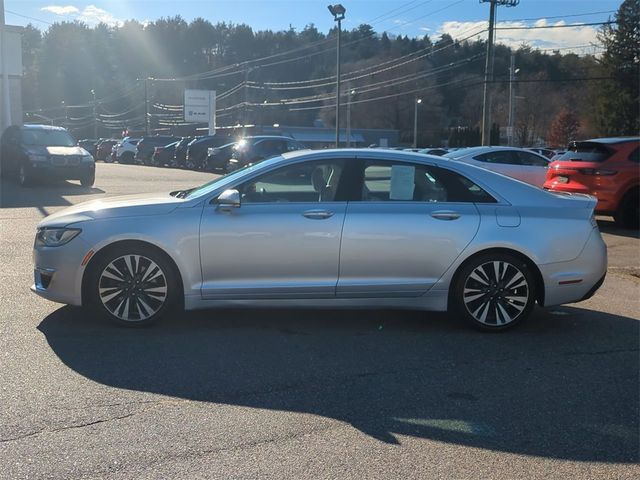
[
  {"x": 496, "y": 293},
  {"x": 132, "y": 288}
]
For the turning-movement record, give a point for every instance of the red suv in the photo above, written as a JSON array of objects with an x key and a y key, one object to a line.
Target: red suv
[{"x": 608, "y": 169}]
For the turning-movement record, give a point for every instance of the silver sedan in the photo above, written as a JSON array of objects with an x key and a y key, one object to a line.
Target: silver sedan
[
  {"x": 335, "y": 228},
  {"x": 519, "y": 163}
]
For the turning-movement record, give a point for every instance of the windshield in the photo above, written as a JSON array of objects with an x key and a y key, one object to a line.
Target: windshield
[
  {"x": 47, "y": 138},
  {"x": 228, "y": 178}
]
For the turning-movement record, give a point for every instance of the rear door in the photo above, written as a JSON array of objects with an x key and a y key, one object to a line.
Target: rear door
[
  {"x": 534, "y": 168},
  {"x": 506, "y": 162},
  {"x": 409, "y": 224}
]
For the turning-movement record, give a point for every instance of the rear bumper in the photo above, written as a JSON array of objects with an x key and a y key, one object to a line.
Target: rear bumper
[{"x": 578, "y": 279}]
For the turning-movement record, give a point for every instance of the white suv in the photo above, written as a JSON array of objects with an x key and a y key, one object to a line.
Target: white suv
[{"x": 125, "y": 150}]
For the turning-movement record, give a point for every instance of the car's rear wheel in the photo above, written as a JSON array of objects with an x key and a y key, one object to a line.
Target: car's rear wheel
[
  {"x": 494, "y": 292},
  {"x": 132, "y": 286},
  {"x": 126, "y": 157},
  {"x": 628, "y": 215}
]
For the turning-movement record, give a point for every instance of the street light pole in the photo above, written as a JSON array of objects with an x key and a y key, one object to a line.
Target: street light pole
[
  {"x": 512, "y": 76},
  {"x": 338, "y": 12},
  {"x": 95, "y": 115},
  {"x": 351, "y": 93},
  {"x": 415, "y": 122}
]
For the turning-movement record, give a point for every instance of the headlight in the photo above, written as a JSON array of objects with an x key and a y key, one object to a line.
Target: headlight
[
  {"x": 35, "y": 157},
  {"x": 54, "y": 237},
  {"x": 87, "y": 159}
]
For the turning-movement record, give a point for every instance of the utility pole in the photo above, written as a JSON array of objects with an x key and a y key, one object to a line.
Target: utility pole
[
  {"x": 488, "y": 68},
  {"x": 338, "y": 12},
  {"x": 5, "y": 120},
  {"x": 512, "y": 76},
  {"x": 245, "y": 111}
]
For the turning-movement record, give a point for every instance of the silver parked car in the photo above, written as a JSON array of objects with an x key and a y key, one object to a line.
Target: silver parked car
[
  {"x": 339, "y": 228},
  {"x": 519, "y": 163}
]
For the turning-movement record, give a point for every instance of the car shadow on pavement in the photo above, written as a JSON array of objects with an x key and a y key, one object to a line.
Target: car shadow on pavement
[
  {"x": 50, "y": 194},
  {"x": 609, "y": 226},
  {"x": 562, "y": 386}
]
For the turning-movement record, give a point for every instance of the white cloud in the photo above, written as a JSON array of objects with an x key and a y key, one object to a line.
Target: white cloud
[
  {"x": 93, "y": 15},
  {"x": 60, "y": 10},
  {"x": 544, "y": 38}
]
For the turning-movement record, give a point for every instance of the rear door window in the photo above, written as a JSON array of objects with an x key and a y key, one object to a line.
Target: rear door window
[
  {"x": 531, "y": 160},
  {"x": 586, "y": 152},
  {"x": 502, "y": 157},
  {"x": 399, "y": 181}
]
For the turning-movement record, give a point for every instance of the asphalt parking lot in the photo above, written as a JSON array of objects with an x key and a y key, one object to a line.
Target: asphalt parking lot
[{"x": 304, "y": 393}]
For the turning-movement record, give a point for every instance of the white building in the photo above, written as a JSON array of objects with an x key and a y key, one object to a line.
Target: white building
[{"x": 13, "y": 52}]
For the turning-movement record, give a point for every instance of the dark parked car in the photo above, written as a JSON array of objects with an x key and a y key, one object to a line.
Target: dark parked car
[
  {"x": 146, "y": 146},
  {"x": 218, "y": 157},
  {"x": 164, "y": 155},
  {"x": 198, "y": 149},
  {"x": 39, "y": 152},
  {"x": 103, "y": 149},
  {"x": 180, "y": 155},
  {"x": 89, "y": 144},
  {"x": 254, "y": 149}
]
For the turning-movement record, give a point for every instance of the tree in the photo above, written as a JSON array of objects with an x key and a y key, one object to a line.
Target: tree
[
  {"x": 617, "y": 100},
  {"x": 564, "y": 128}
]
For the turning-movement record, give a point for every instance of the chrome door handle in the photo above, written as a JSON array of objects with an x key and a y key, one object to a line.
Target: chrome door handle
[
  {"x": 445, "y": 215},
  {"x": 317, "y": 214}
]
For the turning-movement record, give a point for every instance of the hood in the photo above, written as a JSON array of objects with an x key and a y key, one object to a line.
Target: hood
[
  {"x": 114, "y": 207},
  {"x": 75, "y": 150}
]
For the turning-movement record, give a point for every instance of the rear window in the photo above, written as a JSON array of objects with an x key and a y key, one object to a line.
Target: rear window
[{"x": 586, "y": 152}]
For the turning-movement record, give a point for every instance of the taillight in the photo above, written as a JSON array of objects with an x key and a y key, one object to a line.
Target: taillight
[{"x": 597, "y": 171}]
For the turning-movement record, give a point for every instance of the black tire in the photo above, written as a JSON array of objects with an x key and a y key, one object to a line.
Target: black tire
[
  {"x": 88, "y": 180},
  {"x": 126, "y": 157},
  {"x": 24, "y": 175},
  {"x": 628, "y": 215},
  {"x": 493, "y": 300},
  {"x": 117, "y": 290}
]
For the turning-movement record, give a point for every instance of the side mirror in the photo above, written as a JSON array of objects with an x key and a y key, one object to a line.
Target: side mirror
[{"x": 228, "y": 199}]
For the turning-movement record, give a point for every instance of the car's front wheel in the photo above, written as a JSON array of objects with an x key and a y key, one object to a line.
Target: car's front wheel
[
  {"x": 88, "y": 180},
  {"x": 494, "y": 292},
  {"x": 25, "y": 176},
  {"x": 132, "y": 286}
]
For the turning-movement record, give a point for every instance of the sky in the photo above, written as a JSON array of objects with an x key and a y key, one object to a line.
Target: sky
[{"x": 458, "y": 18}]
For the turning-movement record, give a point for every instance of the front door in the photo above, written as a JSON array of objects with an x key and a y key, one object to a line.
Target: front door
[
  {"x": 284, "y": 239},
  {"x": 409, "y": 226}
]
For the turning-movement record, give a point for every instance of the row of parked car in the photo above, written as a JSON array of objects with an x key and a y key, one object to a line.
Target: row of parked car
[
  {"x": 209, "y": 153},
  {"x": 607, "y": 168}
]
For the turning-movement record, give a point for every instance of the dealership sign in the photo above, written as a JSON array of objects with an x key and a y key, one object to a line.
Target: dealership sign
[{"x": 200, "y": 107}]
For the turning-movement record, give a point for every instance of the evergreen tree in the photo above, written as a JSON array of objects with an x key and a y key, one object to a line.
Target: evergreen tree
[{"x": 617, "y": 102}]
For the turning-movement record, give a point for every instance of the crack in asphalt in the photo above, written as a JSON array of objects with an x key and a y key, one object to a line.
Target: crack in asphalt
[{"x": 82, "y": 425}]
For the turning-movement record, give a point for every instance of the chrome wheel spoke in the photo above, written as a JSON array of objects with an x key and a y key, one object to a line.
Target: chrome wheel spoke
[
  {"x": 496, "y": 293},
  {"x": 132, "y": 288}
]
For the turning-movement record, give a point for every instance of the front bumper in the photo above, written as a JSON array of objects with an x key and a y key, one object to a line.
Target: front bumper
[
  {"x": 58, "y": 271},
  {"x": 47, "y": 171}
]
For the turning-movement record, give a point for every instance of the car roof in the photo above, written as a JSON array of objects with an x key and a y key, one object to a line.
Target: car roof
[
  {"x": 264, "y": 137},
  {"x": 41, "y": 127},
  {"x": 611, "y": 140}
]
